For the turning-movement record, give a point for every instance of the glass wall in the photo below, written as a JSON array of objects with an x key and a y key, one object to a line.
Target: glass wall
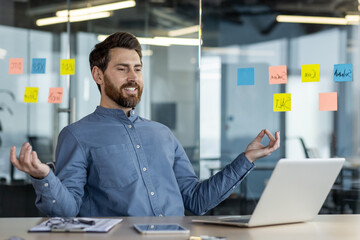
[
  {"x": 170, "y": 72},
  {"x": 238, "y": 36},
  {"x": 193, "y": 89}
]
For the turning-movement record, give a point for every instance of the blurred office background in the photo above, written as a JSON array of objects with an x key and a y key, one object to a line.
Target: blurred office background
[{"x": 192, "y": 50}]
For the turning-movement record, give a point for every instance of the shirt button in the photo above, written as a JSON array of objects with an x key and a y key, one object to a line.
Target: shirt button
[
  {"x": 129, "y": 126},
  {"x": 144, "y": 169},
  {"x": 234, "y": 187},
  {"x": 160, "y": 215},
  {"x": 137, "y": 146},
  {"x": 46, "y": 184},
  {"x": 132, "y": 112},
  {"x": 54, "y": 201},
  {"x": 152, "y": 193}
]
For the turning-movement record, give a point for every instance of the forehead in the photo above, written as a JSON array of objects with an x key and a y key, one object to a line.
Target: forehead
[{"x": 123, "y": 55}]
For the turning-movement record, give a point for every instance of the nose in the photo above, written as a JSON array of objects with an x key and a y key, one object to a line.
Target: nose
[{"x": 132, "y": 75}]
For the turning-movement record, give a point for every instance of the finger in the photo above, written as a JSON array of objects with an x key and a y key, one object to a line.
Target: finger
[
  {"x": 275, "y": 145},
  {"x": 13, "y": 158},
  {"x": 270, "y": 136},
  {"x": 260, "y": 135},
  {"x": 27, "y": 156},
  {"x": 34, "y": 160},
  {"x": 23, "y": 150},
  {"x": 277, "y": 135}
]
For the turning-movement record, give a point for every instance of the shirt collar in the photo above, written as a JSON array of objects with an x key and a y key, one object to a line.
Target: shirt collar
[{"x": 117, "y": 113}]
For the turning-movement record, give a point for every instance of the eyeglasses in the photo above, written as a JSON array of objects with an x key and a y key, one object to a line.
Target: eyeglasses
[{"x": 60, "y": 223}]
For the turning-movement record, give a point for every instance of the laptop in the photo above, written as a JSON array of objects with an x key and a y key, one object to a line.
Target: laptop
[{"x": 294, "y": 193}]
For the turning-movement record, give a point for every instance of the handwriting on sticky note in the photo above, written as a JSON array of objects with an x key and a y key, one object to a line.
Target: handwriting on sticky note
[
  {"x": 328, "y": 101},
  {"x": 31, "y": 94},
  {"x": 277, "y": 74},
  {"x": 55, "y": 95},
  {"x": 15, "y": 65},
  {"x": 343, "y": 72},
  {"x": 310, "y": 73},
  {"x": 282, "y": 102},
  {"x": 67, "y": 66},
  {"x": 38, "y": 65}
]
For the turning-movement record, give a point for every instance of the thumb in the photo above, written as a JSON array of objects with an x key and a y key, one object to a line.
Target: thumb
[{"x": 35, "y": 160}]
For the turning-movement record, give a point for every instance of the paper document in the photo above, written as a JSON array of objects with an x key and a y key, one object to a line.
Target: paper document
[{"x": 96, "y": 225}]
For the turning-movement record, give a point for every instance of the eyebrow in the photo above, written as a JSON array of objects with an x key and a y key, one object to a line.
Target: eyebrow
[{"x": 127, "y": 65}]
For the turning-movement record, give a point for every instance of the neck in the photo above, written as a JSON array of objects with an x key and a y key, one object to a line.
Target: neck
[{"x": 113, "y": 105}]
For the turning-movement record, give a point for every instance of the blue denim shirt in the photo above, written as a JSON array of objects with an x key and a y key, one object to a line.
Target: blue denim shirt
[{"x": 108, "y": 164}]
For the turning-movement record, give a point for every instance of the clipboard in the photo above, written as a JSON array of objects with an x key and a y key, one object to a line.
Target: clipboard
[{"x": 89, "y": 225}]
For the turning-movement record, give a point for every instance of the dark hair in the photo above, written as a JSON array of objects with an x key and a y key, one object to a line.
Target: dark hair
[{"x": 99, "y": 56}]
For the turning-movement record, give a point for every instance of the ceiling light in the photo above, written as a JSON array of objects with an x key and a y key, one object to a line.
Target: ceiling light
[
  {"x": 352, "y": 19},
  {"x": 311, "y": 20},
  {"x": 162, "y": 41},
  {"x": 96, "y": 9},
  {"x": 178, "y": 41},
  {"x": 183, "y": 31},
  {"x": 56, "y": 20}
]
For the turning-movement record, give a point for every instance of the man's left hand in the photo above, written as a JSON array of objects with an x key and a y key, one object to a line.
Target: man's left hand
[{"x": 256, "y": 150}]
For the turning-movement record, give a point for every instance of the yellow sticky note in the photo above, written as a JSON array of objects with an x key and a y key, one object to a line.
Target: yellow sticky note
[
  {"x": 282, "y": 102},
  {"x": 67, "y": 66},
  {"x": 15, "y": 65},
  {"x": 55, "y": 95},
  {"x": 328, "y": 101},
  {"x": 277, "y": 74},
  {"x": 31, "y": 94},
  {"x": 310, "y": 73}
]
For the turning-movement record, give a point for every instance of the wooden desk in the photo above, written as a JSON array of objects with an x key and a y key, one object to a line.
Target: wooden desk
[{"x": 327, "y": 227}]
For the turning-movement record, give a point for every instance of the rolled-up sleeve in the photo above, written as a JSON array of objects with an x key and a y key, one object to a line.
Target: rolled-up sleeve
[
  {"x": 200, "y": 197},
  {"x": 60, "y": 194}
]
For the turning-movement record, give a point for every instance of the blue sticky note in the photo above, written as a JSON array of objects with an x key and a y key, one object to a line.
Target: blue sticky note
[
  {"x": 343, "y": 72},
  {"x": 245, "y": 76},
  {"x": 38, "y": 65}
]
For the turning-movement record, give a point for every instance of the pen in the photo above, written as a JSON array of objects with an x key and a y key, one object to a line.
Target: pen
[{"x": 88, "y": 222}]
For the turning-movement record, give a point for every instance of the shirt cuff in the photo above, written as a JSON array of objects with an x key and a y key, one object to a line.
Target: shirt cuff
[
  {"x": 242, "y": 163},
  {"x": 43, "y": 185}
]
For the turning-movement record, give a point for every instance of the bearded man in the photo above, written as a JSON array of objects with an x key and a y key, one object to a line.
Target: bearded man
[{"x": 116, "y": 163}]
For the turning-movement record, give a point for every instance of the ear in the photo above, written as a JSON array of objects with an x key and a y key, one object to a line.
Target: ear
[{"x": 97, "y": 75}]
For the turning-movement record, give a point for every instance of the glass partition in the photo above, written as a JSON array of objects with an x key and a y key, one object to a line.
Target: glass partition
[
  {"x": 168, "y": 32},
  {"x": 194, "y": 89},
  {"x": 320, "y": 120}
]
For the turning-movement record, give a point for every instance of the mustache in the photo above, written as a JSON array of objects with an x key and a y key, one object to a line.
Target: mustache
[{"x": 130, "y": 84}]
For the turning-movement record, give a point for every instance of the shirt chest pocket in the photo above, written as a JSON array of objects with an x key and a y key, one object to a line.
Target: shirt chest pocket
[{"x": 115, "y": 166}]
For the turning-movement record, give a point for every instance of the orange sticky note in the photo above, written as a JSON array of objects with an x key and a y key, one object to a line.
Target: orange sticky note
[
  {"x": 310, "y": 73},
  {"x": 16, "y": 66},
  {"x": 31, "y": 94},
  {"x": 328, "y": 101},
  {"x": 55, "y": 95},
  {"x": 277, "y": 74},
  {"x": 67, "y": 66}
]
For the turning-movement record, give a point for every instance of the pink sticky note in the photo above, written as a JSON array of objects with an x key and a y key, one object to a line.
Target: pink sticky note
[
  {"x": 328, "y": 101},
  {"x": 15, "y": 65},
  {"x": 55, "y": 95},
  {"x": 277, "y": 74}
]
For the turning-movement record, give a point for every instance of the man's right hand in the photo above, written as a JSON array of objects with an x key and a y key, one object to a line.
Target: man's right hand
[{"x": 29, "y": 162}]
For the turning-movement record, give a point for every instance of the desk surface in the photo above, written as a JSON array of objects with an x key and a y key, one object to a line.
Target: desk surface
[{"x": 329, "y": 227}]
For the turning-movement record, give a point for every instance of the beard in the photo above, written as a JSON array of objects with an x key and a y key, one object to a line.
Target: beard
[{"x": 117, "y": 94}]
